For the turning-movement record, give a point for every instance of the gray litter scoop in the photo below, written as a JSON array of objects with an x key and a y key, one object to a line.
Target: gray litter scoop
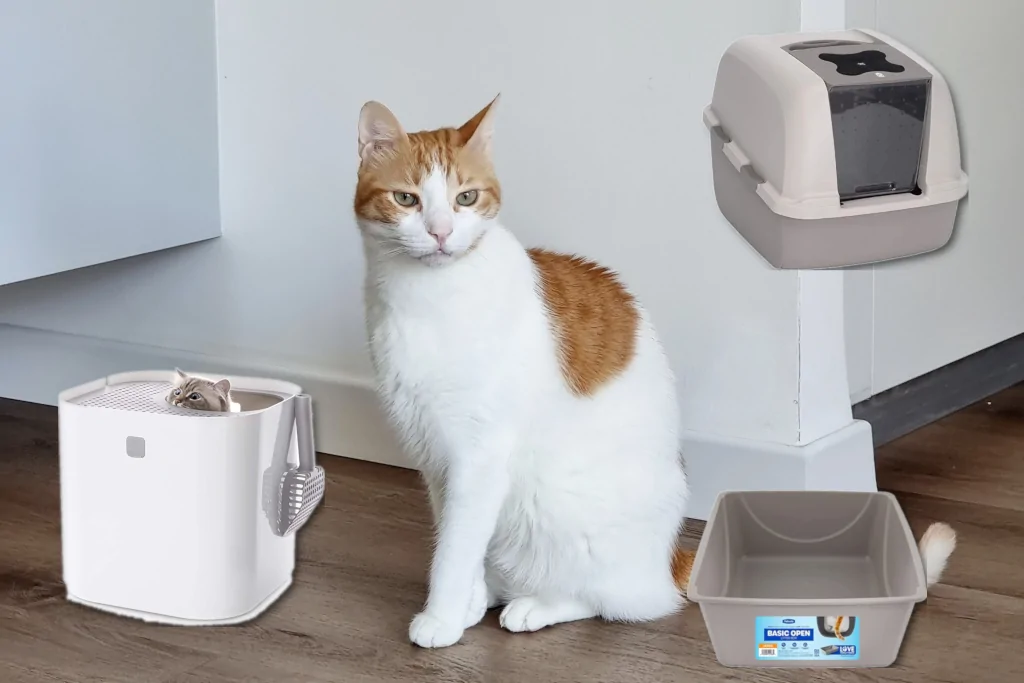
[{"x": 291, "y": 495}]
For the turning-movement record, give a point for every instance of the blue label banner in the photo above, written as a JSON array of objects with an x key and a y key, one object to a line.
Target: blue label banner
[{"x": 807, "y": 638}]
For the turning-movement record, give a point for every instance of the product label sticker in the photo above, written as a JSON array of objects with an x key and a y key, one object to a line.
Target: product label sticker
[{"x": 802, "y": 638}]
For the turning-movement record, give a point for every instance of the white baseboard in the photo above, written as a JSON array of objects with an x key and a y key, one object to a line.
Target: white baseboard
[
  {"x": 35, "y": 365},
  {"x": 841, "y": 461}
]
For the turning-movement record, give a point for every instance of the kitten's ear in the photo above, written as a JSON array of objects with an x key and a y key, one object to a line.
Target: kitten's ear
[
  {"x": 223, "y": 386},
  {"x": 179, "y": 374},
  {"x": 477, "y": 132},
  {"x": 379, "y": 130}
]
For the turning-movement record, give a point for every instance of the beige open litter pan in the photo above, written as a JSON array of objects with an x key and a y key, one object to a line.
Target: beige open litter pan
[
  {"x": 834, "y": 149},
  {"x": 807, "y": 578}
]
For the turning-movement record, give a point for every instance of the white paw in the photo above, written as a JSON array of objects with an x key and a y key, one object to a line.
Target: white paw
[
  {"x": 479, "y": 602},
  {"x": 426, "y": 630},
  {"x": 525, "y": 614}
]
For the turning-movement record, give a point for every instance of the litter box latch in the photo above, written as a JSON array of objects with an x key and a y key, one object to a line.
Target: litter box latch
[
  {"x": 291, "y": 493},
  {"x": 740, "y": 161}
]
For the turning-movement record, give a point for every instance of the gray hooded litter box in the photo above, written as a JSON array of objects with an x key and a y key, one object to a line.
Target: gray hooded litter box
[
  {"x": 807, "y": 578},
  {"x": 834, "y": 149}
]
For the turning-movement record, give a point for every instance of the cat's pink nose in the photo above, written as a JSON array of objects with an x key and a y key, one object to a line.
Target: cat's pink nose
[{"x": 440, "y": 230}]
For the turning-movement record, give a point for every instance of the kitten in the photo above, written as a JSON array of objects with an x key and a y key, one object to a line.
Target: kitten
[
  {"x": 531, "y": 389},
  {"x": 199, "y": 393}
]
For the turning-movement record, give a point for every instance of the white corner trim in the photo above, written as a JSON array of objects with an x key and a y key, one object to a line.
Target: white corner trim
[
  {"x": 822, "y": 15},
  {"x": 841, "y": 461},
  {"x": 35, "y": 365},
  {"x": 823, "y": 384}
]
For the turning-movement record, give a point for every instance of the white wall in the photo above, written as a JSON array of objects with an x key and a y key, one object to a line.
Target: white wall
[
  {"x": 928, "y": 311},
  {"x": 600, "y": 148}
]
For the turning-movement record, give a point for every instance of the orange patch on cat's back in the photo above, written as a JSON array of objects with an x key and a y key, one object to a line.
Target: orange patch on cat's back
[{"x": 594, "y": 316}]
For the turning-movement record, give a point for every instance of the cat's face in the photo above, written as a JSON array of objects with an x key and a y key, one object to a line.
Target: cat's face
[
  {"x": 428, "y": 196},
  {"x": 199, "y": 393}
]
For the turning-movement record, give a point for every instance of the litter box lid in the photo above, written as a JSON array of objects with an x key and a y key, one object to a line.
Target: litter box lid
[
  {"x": 817, "y": 120},
  {"x": 145, "y": 390}
]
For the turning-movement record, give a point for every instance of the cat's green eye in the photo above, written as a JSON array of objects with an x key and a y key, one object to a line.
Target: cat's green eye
[
  {"x": 406, "y": 199},
  {"x": 467, "y": 198}
]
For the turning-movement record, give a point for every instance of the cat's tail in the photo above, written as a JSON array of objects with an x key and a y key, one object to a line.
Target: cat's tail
[
  {"x": 682, "y": 565},
  {"x": 935, "y": 546}
]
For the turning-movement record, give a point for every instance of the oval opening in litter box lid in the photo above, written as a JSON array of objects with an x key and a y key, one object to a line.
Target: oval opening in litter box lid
[
  {"x": 251, "y": 401},
  {"x": 146, "y": 391}
]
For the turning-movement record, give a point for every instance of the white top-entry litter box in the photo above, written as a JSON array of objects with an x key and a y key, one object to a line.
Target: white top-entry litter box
[
  {"x": 181, "y": 516},
  {"x": 834, "y": 149}
]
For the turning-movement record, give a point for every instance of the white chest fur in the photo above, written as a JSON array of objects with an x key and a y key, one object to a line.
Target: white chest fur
[{"x": 460, "y": 347}]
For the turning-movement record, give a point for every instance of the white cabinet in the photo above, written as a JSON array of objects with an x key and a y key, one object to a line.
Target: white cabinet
[{"x": 108, "y": 131}]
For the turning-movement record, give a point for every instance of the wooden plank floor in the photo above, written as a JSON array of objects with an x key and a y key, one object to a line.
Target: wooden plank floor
[{"x": 362, "y": 568}]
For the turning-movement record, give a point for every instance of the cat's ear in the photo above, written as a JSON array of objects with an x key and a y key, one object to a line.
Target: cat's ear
[
  {"x": 179, "y": 375},
  {"x": 379, "y": 131},
  {"x": 223, "y": 386},
  {"x": 476, "y": 133}
]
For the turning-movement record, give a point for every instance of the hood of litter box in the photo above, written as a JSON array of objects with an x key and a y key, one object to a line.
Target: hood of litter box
[{"x": 771, "y": 114}]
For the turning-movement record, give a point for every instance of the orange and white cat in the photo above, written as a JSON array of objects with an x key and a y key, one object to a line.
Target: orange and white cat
[{"x": 530, "y": 388}]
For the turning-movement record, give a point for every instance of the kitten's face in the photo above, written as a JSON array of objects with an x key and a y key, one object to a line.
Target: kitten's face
[
  {"x": 428, "y": 196},
  {"x": 199, "y": 393}
]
